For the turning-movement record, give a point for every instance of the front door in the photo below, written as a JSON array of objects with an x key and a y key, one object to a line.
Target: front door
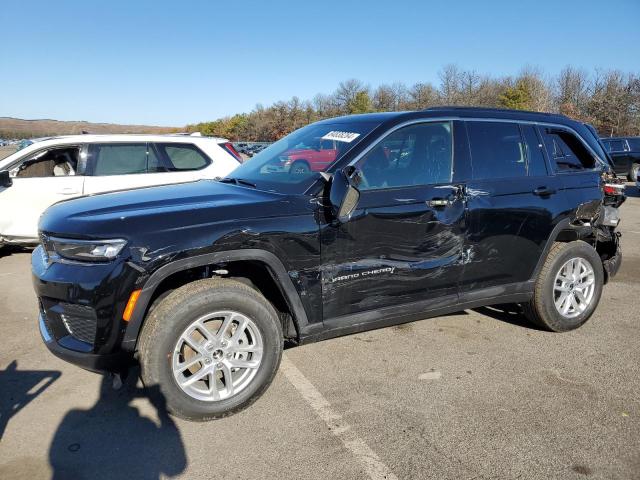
[
  {"x": 47, "y": 177},
  {"x": 404, "y": 242}
]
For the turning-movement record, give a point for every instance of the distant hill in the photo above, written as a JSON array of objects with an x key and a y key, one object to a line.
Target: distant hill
[{"x": 18, "y": 128}]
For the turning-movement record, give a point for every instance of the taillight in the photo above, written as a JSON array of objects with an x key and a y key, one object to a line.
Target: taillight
[
  {"x": 230, "y": 148},
  {"x": 613, "y": 189}
]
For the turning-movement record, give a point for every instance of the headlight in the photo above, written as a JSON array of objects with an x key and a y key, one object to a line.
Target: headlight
[{"x": 87, "y": 250}]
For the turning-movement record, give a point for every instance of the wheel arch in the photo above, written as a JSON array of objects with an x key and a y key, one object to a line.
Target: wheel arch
[
  {"x": 263, "y": 259},
  {"x": 566, "y": 232}
]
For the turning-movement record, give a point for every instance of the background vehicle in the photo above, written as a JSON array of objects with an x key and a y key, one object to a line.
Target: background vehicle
[
  {"x": 421, "y": 214},
  {"x": 625, "y": 153},
  {"x": 61, "y": 168},
  {"x": 316, "y": 157}
]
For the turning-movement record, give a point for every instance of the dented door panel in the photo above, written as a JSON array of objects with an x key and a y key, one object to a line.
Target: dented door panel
[
  {"x": 396, "y": 249},
  {"x": 509, "y": 227}
]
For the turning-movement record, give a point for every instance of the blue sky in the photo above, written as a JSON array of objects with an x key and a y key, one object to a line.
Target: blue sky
[{"x": 179, "y": 62}]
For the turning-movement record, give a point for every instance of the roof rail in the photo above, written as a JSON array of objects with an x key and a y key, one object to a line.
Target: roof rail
[{"x": 490, "y": 109}]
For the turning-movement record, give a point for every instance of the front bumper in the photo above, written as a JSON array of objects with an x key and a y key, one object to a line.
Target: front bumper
[
  {"x": 80, "y": 310},
  {"x": 99, "y": 363}
]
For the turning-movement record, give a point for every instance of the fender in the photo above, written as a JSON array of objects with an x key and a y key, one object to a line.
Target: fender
[
  {"x": 272, "y": 261},
  {"x": 564, "y": 224}
]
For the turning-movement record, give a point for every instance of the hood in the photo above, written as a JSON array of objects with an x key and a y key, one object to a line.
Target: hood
[{"x": 187, "y": 209}]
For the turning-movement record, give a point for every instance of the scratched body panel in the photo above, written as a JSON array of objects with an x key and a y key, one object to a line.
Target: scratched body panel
[
  {"x": 508, "y": 228},
  {"x": 396, "y": 248}
]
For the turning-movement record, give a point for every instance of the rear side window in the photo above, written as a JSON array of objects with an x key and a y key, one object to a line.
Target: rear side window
[
  {"x": 182, "y": 156},
  {"x": 536, "y": 166},
  {"x": 615, "y": 146},
  {"x": 566, "y": 151},
  {"x": 121, "y": 159},
  {"x": 634, "y": 144},
  {"x": 497, "y": 150}
]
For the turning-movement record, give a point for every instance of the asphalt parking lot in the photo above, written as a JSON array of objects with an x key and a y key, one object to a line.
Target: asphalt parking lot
[{"x": 479, "y": 394}]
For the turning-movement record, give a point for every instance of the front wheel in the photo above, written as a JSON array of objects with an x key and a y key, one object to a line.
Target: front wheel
[
  {"x": 568, "y": 288},
  {"x": 212, "y": 347},
  {"x": 633, "y": 174}
]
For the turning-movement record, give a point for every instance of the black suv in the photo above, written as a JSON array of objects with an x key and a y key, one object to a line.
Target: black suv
[
  {"x": 625, "y": 154},
  {"x": 422, "y": 213}
]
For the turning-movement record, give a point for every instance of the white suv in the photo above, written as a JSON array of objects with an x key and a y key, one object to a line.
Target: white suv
[{"x": 60, "y": 168}]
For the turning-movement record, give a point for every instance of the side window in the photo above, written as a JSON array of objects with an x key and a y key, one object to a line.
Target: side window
[
  {"x": 566, "y": 151},
  {"x": 536, "y": 166},
  {"x": 57, "y": 162},
  {"x": 415, "y": 155},
  {"x": 634, "y": 144},
  {"x": 497, "y": 150},
  {"x": 118, "y": 158},
  {"x": 182, "y": 156},
  {"x": 616, "y": 146}
]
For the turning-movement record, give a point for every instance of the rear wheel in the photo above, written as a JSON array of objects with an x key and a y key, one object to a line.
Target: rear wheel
[
  {"x": 212, "y": 347},
  {"x": 568, "y": 288},
  {"x": 634, "y": 172}
]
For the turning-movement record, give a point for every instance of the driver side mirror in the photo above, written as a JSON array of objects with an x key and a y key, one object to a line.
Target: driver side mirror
[
  {"x": 343, "y": 196},
  {"x": 5, "y": 179}
]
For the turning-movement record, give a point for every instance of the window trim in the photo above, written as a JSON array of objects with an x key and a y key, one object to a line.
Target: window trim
[{"x": 394, "y": 130}]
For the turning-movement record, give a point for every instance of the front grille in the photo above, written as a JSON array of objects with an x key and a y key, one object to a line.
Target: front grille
[{"x": 80, "y": 322}]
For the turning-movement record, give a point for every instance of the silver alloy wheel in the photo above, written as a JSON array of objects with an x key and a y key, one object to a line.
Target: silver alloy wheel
[
  {"x": 217, "y": 356},
  {"x": 634, "y": 173},
  {"x": 574, "y": 287}
]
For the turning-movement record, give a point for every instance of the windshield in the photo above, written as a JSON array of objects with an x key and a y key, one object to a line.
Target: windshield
[{"x": 292, "y": 163}]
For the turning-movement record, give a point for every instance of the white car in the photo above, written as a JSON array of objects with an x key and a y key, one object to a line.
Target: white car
[{"x": 55, "y": 169}]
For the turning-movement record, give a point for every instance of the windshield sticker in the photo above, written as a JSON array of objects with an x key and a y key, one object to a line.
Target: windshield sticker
[{"x": 347, "y": 137}]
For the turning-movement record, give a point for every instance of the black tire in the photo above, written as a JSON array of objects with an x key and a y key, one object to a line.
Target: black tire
[
  {"x": 299, "y": 167},
  {"x": 541, "y": 310},
  {"x": 175, "y": 313}
]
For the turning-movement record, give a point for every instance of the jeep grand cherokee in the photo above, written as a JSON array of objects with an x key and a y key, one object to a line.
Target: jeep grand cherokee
[{"x": 420, "y": 214}]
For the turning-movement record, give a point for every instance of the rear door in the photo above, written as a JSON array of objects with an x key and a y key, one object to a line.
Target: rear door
[
  {"x": 577, "y": 169},
  {"x": 512, "y": 204},
  {"x": 404, "y": 241}
]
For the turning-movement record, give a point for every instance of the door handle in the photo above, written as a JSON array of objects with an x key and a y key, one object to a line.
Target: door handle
[
  {"x": 69, "y": 191},
  {"x": 439, "y": 202},
  {"x": 544, "y": 191}
]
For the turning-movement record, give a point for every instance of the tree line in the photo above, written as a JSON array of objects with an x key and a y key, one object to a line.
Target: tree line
[{"x": 608, "y": 99}]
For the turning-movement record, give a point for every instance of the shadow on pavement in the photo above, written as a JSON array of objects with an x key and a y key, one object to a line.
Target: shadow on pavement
[
  {"x": 113, "y": 440},
  {"x": 8, "y": 250},
  {"x": 509, "y": 313},
  {"x": 19, "y": 387}
]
